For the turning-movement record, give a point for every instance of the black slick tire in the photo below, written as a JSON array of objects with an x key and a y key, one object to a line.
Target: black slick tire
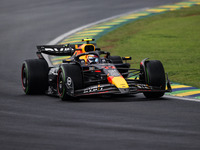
[
  {"x": 34, "y": 76},
  {"x": 70, "y": 75},
  {"x": 155, "y": 76}
]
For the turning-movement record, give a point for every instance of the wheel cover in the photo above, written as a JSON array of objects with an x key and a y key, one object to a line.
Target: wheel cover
[{"x": 60, "y": 83}]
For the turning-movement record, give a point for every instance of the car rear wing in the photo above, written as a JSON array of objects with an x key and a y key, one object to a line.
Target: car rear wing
[{"x": 57, "y": 50}]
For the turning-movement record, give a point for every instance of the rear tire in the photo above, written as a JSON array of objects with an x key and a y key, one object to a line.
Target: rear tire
[
  {"x": 70, "y": 75},
  {"x": 155, "y": 75},
  {"x": 34, "y": 76}
]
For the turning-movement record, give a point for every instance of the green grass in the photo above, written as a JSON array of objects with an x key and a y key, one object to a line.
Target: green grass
[{"x": 172, "y": 37}]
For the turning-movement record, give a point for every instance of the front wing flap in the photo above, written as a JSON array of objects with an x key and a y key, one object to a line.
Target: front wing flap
[
  {"x": 134, "y": 87},
  {"x": 112, "y": 89},
  {"x": 140, "y": 88},
  {"x": 97, "y": 89}
]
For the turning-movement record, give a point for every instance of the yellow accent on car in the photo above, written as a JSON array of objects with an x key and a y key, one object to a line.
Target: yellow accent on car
[
  {"x": 87, "y": 48},
  {"x": 76, "y": 46},
  {"x": 85, "y": 40},
  {"x": 120, "y": 82},
  {"x": 127, "y": 57}
]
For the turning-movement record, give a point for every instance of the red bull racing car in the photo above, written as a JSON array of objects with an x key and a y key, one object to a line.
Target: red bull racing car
[{"x": 90, "y": 71}]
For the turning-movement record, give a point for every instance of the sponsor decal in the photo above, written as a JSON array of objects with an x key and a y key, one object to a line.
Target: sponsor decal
[
  {"x": 113, "y": 73},
  {"x": 62, "y": 49},
  {"x": 143, "y": 86},
  {"x": 70, "y": 86},
  {"x": 69, "y": 81},
  {"x": 92, "y": 68},
  {"x": 93, "y": 89}
]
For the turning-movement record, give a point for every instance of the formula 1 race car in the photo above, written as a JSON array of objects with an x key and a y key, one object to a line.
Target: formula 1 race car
[{"x": 90, "y": 71}]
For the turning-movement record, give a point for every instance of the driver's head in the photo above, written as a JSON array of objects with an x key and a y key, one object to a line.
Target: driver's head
[{"x": 92, "y": 59}]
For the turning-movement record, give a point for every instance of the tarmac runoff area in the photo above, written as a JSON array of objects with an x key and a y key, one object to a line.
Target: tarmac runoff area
[{"x": 100, "y": 28}]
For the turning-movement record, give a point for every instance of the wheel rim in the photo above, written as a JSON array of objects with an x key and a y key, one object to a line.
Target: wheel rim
[{"x": 60, "y": 83}]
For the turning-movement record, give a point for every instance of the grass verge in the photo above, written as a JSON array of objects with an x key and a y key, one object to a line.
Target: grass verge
[{"x": 172, "y": 37}]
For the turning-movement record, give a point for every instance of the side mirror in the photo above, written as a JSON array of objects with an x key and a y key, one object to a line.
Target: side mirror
[{"x": 126, "y": 58}]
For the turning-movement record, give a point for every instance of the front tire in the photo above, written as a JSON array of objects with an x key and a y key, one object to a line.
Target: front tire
[
  {"x": 69, "y": 79},
  {"x": 155, "y": 76}
]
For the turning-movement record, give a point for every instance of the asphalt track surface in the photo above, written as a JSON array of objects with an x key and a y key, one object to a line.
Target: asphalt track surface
[{"x": 43, "y": 122}]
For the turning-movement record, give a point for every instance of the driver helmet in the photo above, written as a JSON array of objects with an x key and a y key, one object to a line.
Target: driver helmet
[{"x": 92, "y": 59}]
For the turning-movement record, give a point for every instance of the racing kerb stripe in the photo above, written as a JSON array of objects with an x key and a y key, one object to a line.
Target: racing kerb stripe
[{"x": 98, "y": 30}]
